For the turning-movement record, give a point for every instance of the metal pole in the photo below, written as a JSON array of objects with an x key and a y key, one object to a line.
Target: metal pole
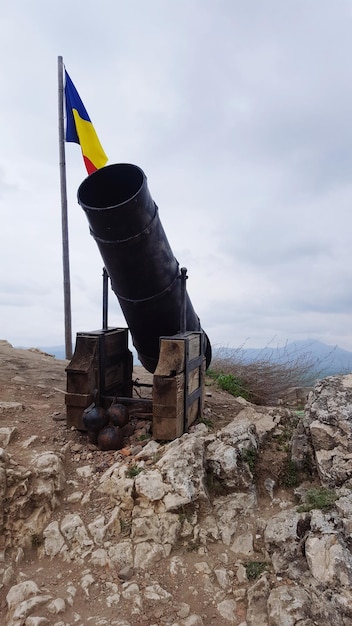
[
  {"x": 64, "y": 221},
  {"x": 105, "y": 299},
  {"x": 183, "y": 277}
]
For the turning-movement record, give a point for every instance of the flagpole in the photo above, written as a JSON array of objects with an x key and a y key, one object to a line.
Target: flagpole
[{"x": 64, "y": 221}]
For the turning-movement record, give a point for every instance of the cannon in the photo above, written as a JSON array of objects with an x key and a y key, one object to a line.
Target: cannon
[
  {"x": 151, "y": 289},
  {"x": 145, "y": 276}
]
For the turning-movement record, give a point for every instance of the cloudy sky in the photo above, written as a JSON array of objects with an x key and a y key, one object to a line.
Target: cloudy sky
[{"x": 240, "y": 114}]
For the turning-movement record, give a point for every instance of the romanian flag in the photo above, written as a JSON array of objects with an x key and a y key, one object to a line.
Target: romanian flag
[{"x": 80, "y": 129}]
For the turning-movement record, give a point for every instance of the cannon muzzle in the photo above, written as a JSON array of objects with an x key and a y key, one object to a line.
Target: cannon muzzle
[{"x": 145, "y": 276}]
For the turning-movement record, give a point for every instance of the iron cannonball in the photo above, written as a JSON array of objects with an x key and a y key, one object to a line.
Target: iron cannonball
[
  {"x": 110, "y": 438},
  {"x": 95, "y": 418},
  {"x": 118, "y": 415}
]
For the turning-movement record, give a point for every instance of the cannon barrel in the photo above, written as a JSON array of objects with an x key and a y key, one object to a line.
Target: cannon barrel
[{"x": 144, "y": 274}]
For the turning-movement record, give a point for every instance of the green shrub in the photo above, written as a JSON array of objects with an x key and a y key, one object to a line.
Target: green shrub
[
  {"x": 319, "y": 498},
  {"x": 290, "y": 476},
  {"x": 254, "y": 569},
  {"x": 230, "y": 383},
  {"x": 235, "y": 386},
  {"x": 250, "y": 457},
  {"x": 133, "y": 471}
]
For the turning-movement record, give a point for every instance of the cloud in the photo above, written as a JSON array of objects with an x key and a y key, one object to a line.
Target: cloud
[{"x": 239, "y": 114}]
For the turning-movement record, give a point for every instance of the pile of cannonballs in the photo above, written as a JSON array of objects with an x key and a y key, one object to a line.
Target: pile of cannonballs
[{"x": 107, "y": 428}]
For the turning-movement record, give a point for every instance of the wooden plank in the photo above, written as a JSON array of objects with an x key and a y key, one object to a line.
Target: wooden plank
[
  {"x": 169, "y": 411},
  {"x": 193, "y": 345},
  {"x": 168, "y": 391},
  {"x": 171, "y": 357},
  {"x": 82, "y": 382},
  {"x": 85, "y": 355},
  {"x": 166, "y": 428},
  {"x": 82, "y": 371},
  {"x": 79, "y": 399},
  {"x": 118, "y": 378},
  {"x": 116, "y": 342},
  {"x": 193, "y": 380},
  {"x": 172, "y": 353},
  {"x": 74, "y": 415},
  {"x": 193, "y": 413},
  {"x": 114, "y": 376},
  {"x": 168, "y": 407}
]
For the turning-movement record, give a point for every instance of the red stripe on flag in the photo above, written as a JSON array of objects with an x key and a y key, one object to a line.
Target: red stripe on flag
[{"x": 89, "y": 165}]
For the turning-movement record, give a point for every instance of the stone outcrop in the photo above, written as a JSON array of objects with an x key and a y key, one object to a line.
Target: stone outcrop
[
  {"x": 188, "y": 533},
  {"x": 329, "y": 422},
  {"x": 28, "y": 496}
]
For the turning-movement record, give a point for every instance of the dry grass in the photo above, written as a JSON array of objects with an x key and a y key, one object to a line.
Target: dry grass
[{"x": 264, "y": 380}]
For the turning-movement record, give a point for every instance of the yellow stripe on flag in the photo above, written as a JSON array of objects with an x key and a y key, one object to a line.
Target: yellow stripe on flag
[{"x": 90, "y": 144}]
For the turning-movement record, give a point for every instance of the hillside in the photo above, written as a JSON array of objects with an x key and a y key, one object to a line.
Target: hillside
[{"x": 203, "y": 531}]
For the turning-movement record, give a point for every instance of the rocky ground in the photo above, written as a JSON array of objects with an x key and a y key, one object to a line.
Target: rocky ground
[{"x": 218, "y": 527}]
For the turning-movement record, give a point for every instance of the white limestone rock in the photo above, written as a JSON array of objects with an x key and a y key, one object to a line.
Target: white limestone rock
[
  {"x": 329, "y": 560},
  {"x": 118, "y": 486},
  {"x": 243, "y": 544},
  {"x": 182, "y": 469},
  {"x": 282, "y": 543},
  {"x": 328, "y": 415},
  {"x": 7, "y": 434},
  {"x": 20, "y": 592},
  {"x": 227, "y": 610},
  {"x": 257, "y": 597},
  {"x": 121, "y": 554},
  {"x": 25, "y": 608},
  {"x": 149, "y": 485},
  {"x": 156, "y": 593},
  {"x": 147, "y": 553},
  {"x": 56, "y": 606},
  {"x": 288, "y": 606},
  {"x": 54, "y": 541}
]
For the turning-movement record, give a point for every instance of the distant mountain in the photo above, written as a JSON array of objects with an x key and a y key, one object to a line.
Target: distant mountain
[{"x": 325, "y": 360}]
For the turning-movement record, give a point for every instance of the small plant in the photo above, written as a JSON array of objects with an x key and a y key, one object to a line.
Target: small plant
[
  {"x": 320, "y": 498},
  {"x": 126, "y": 525},
  {"x": 283, "y": 437},
  {"x": 205, "y": 420},
  {"x": 250, "y": 457},
  {"x": 232, "y": 384},
  {"x": 308, "y": 465},
  {"x": 156, "y": 456},
  {"x": 254, "y": 569},
  {"x": 290, "y": 475},
  {"x": 133, "y": 471},
  {"x": 36, "y": 541},
  {"x": 214, "y": 485}
]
